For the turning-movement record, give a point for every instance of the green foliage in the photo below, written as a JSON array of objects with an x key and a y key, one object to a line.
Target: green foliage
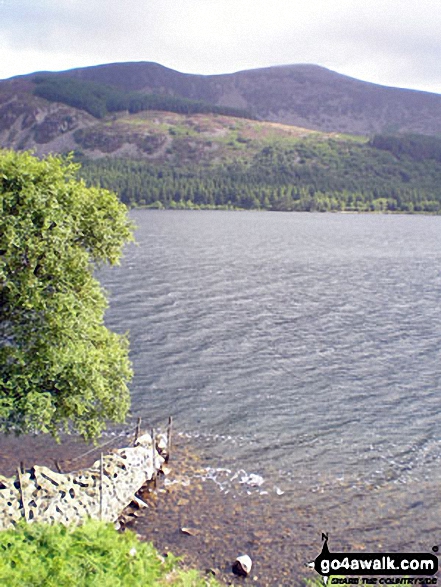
[
  {"x": 93, "y": 555},
  {"x": 99, "y": 99},
  {"x": 88, "y": 96},
  {"x": 417, "y": 147},
  {"x": 309, "y": 174},
  {"x": 59, "y": 365}
]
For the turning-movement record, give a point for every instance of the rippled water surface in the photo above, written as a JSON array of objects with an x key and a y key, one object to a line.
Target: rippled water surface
[{"x": 301, "y": 347}]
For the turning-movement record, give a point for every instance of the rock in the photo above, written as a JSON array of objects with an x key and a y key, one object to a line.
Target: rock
[
  {"x": 161, "y": 444},
  {"x": 242, "y": 565},
  {"x": 144, "y": 440},
  {"x": 189, "y": 531},
  {"x": 140, "y": 502}
]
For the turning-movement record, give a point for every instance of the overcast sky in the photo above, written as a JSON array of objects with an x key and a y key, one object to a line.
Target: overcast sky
[{"x": 391, "y": 42}]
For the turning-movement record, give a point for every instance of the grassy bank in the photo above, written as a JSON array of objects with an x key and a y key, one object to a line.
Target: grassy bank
[{"x": 93, "y": 555}]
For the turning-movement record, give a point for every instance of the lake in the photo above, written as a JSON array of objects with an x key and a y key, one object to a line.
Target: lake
[{"x": 300, "y": 348}]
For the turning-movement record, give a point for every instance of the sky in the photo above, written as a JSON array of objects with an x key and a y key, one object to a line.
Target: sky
[{"x": 389, "y": 42}]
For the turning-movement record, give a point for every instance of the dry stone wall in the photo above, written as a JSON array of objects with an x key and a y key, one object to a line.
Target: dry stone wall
[{"x": 99, "y": 492}]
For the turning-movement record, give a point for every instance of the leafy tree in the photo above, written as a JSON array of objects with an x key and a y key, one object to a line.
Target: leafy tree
[{"x": 60, "y": 367}]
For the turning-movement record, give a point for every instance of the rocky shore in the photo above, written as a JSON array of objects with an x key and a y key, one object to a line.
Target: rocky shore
[{"x": 189, "y": 516}]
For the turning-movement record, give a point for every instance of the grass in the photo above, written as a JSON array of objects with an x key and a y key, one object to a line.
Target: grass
[{"x": 92, "y": 555}]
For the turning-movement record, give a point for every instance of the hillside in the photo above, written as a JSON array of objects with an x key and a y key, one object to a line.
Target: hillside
[
  {"x": 302, "y": 95},
  {"x": 128, "y": 140},
  {"x": 215, "y": 161},
  {"x": 31, "y": 122},
  {"x": 307, "y": 96},
  {"x": 44, "y": 112}
]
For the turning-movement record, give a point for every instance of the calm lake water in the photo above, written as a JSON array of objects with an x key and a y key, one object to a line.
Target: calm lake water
[{"x": 304, "y": 348}]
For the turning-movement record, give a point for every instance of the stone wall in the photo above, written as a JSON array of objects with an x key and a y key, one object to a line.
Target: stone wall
[{"x": 100, "y": 492}]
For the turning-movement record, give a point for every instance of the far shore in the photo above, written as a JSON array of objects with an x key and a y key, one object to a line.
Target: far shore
[{"x": 236, "y": 209}]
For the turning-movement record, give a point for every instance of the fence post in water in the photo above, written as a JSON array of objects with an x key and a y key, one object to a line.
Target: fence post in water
[
  {"x": 58, "y": 466},
  {"x": 169, "y": 438}
]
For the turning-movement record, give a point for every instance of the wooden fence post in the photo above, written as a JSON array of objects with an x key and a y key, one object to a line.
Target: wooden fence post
[
  {"x": 154, "y": 455},
  {"x": 169, "y": 438},
  {"x": 138, "y": 430}
]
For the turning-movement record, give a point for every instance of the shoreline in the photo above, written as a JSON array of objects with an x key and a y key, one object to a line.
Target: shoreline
[
  {"x": 219, "y": 527},
  {"x": 235, "y": 209},
  {"x": 280, "y": 534}
]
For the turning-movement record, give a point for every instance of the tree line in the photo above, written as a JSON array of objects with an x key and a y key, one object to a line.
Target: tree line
[
  {"x": 316, "y": 175},
  {"x": 100, "y": 100}
]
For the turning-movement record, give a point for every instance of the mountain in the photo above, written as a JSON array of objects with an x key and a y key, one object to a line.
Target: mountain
[
  {"x": 306, "y": 96},
  {"x": 166, "y": 139}
]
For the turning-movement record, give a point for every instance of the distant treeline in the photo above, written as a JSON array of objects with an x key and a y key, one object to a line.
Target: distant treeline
[
  {"x": 100, "y": 100},
  {"x": 313, "y": 175}
]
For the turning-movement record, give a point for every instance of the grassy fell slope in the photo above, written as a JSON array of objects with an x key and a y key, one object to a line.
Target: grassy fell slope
[
  {"x": 200, "y": 139},
  {"x": 31, "y": 122}
]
